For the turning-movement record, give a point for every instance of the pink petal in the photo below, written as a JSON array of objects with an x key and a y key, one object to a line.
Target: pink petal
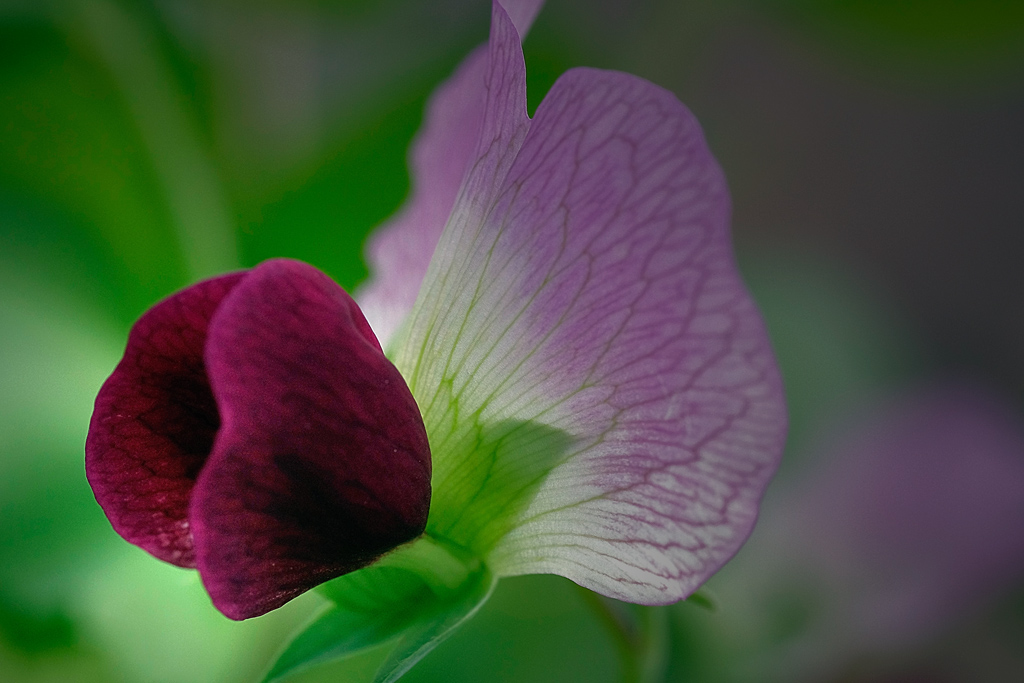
[
  {"x": 321, "y": 463},
  {"x": 399, "y": 251},
  {"x": 586, "y": 282},
  {"x": 154, "y": 424},
  {"x": 522, "y": 13}
]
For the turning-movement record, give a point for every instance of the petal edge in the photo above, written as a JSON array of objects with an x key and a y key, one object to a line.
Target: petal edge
[{"x": 154, "y": 423}]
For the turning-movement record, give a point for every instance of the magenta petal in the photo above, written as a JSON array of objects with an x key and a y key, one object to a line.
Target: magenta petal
[
  {"x": 906, "y": 520},
  {"x": 321, "y": 463},
  {"x": 919, "y": 512},
  {"x": 155, "y": 422}
]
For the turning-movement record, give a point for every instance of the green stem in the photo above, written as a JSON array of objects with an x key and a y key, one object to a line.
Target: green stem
[
  {"x": 640, "y": 634},
  {"x": 439, "y": 564},
  {"x": 198, "y": 208}
]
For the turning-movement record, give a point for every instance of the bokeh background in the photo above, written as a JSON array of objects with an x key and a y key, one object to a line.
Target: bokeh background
[{"x": 875, "y": 152}]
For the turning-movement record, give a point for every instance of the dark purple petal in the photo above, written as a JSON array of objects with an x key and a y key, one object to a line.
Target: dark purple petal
[
  {"x": 321, "y": 463},
  {"x": 154, "y": 424}
]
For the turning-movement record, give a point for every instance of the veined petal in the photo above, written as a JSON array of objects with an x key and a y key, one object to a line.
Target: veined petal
[
  {"x": 598, "y": 387},
  {"x": 154, "y": 424},
  {"x": 321, "y": 463},
  {"x": 522, "y": 13},
  {"x": 399, "y": 252}
]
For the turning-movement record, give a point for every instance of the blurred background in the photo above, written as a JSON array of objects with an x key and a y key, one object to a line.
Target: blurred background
[{"x": 875, "y": 152}]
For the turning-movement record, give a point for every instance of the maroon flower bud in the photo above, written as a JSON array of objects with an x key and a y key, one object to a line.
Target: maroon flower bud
[{"x": 255, "y": 430}]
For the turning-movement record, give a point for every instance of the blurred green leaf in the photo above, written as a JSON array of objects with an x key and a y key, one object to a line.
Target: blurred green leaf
[
  {"x": 34, "y": 632},
  {"x": 325, "y": 218},
  {"x": 66, "y": 138},
  {"x": 157, "y": 625},
  {"x": 56, "y": 352},
  {"x": 123, "y": 39},
  {"x": 57, "y": 348}
]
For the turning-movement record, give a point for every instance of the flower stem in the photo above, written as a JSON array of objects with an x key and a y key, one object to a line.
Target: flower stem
[{"x": 640, "y": 634}]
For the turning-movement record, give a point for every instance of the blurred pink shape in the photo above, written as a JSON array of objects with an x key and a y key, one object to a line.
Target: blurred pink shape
[
  {"x": 909, "y": 521},
  {"x": 923, "y": 509}
]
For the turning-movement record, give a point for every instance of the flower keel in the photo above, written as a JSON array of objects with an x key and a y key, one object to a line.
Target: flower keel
[{"x": 320, "y": 462}]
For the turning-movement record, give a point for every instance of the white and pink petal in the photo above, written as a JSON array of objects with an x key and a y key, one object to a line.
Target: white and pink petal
[
  {"x": 399, "y": 252},
  {"x": 598, "y": 388}
]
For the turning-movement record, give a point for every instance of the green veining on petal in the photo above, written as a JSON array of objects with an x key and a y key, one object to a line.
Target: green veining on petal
[{"x": 486, "y": 471}]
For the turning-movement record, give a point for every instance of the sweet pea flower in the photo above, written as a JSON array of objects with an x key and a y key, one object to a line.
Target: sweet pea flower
[{"x": 595, "y": 383}]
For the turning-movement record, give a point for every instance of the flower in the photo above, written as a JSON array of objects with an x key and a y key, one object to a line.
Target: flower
[
  {"x": 595, "y": 383},
  {"x": 584, "y": 282}
]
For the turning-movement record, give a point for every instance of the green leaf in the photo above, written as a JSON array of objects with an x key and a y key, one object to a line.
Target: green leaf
[
  {"x": 338, "y": 632},
  {"x": 429, "y": 632},
  {"x": 704, "y": 599},
  {"x": 379, "y": 604},
  {"x": 371, "y": 606}
]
